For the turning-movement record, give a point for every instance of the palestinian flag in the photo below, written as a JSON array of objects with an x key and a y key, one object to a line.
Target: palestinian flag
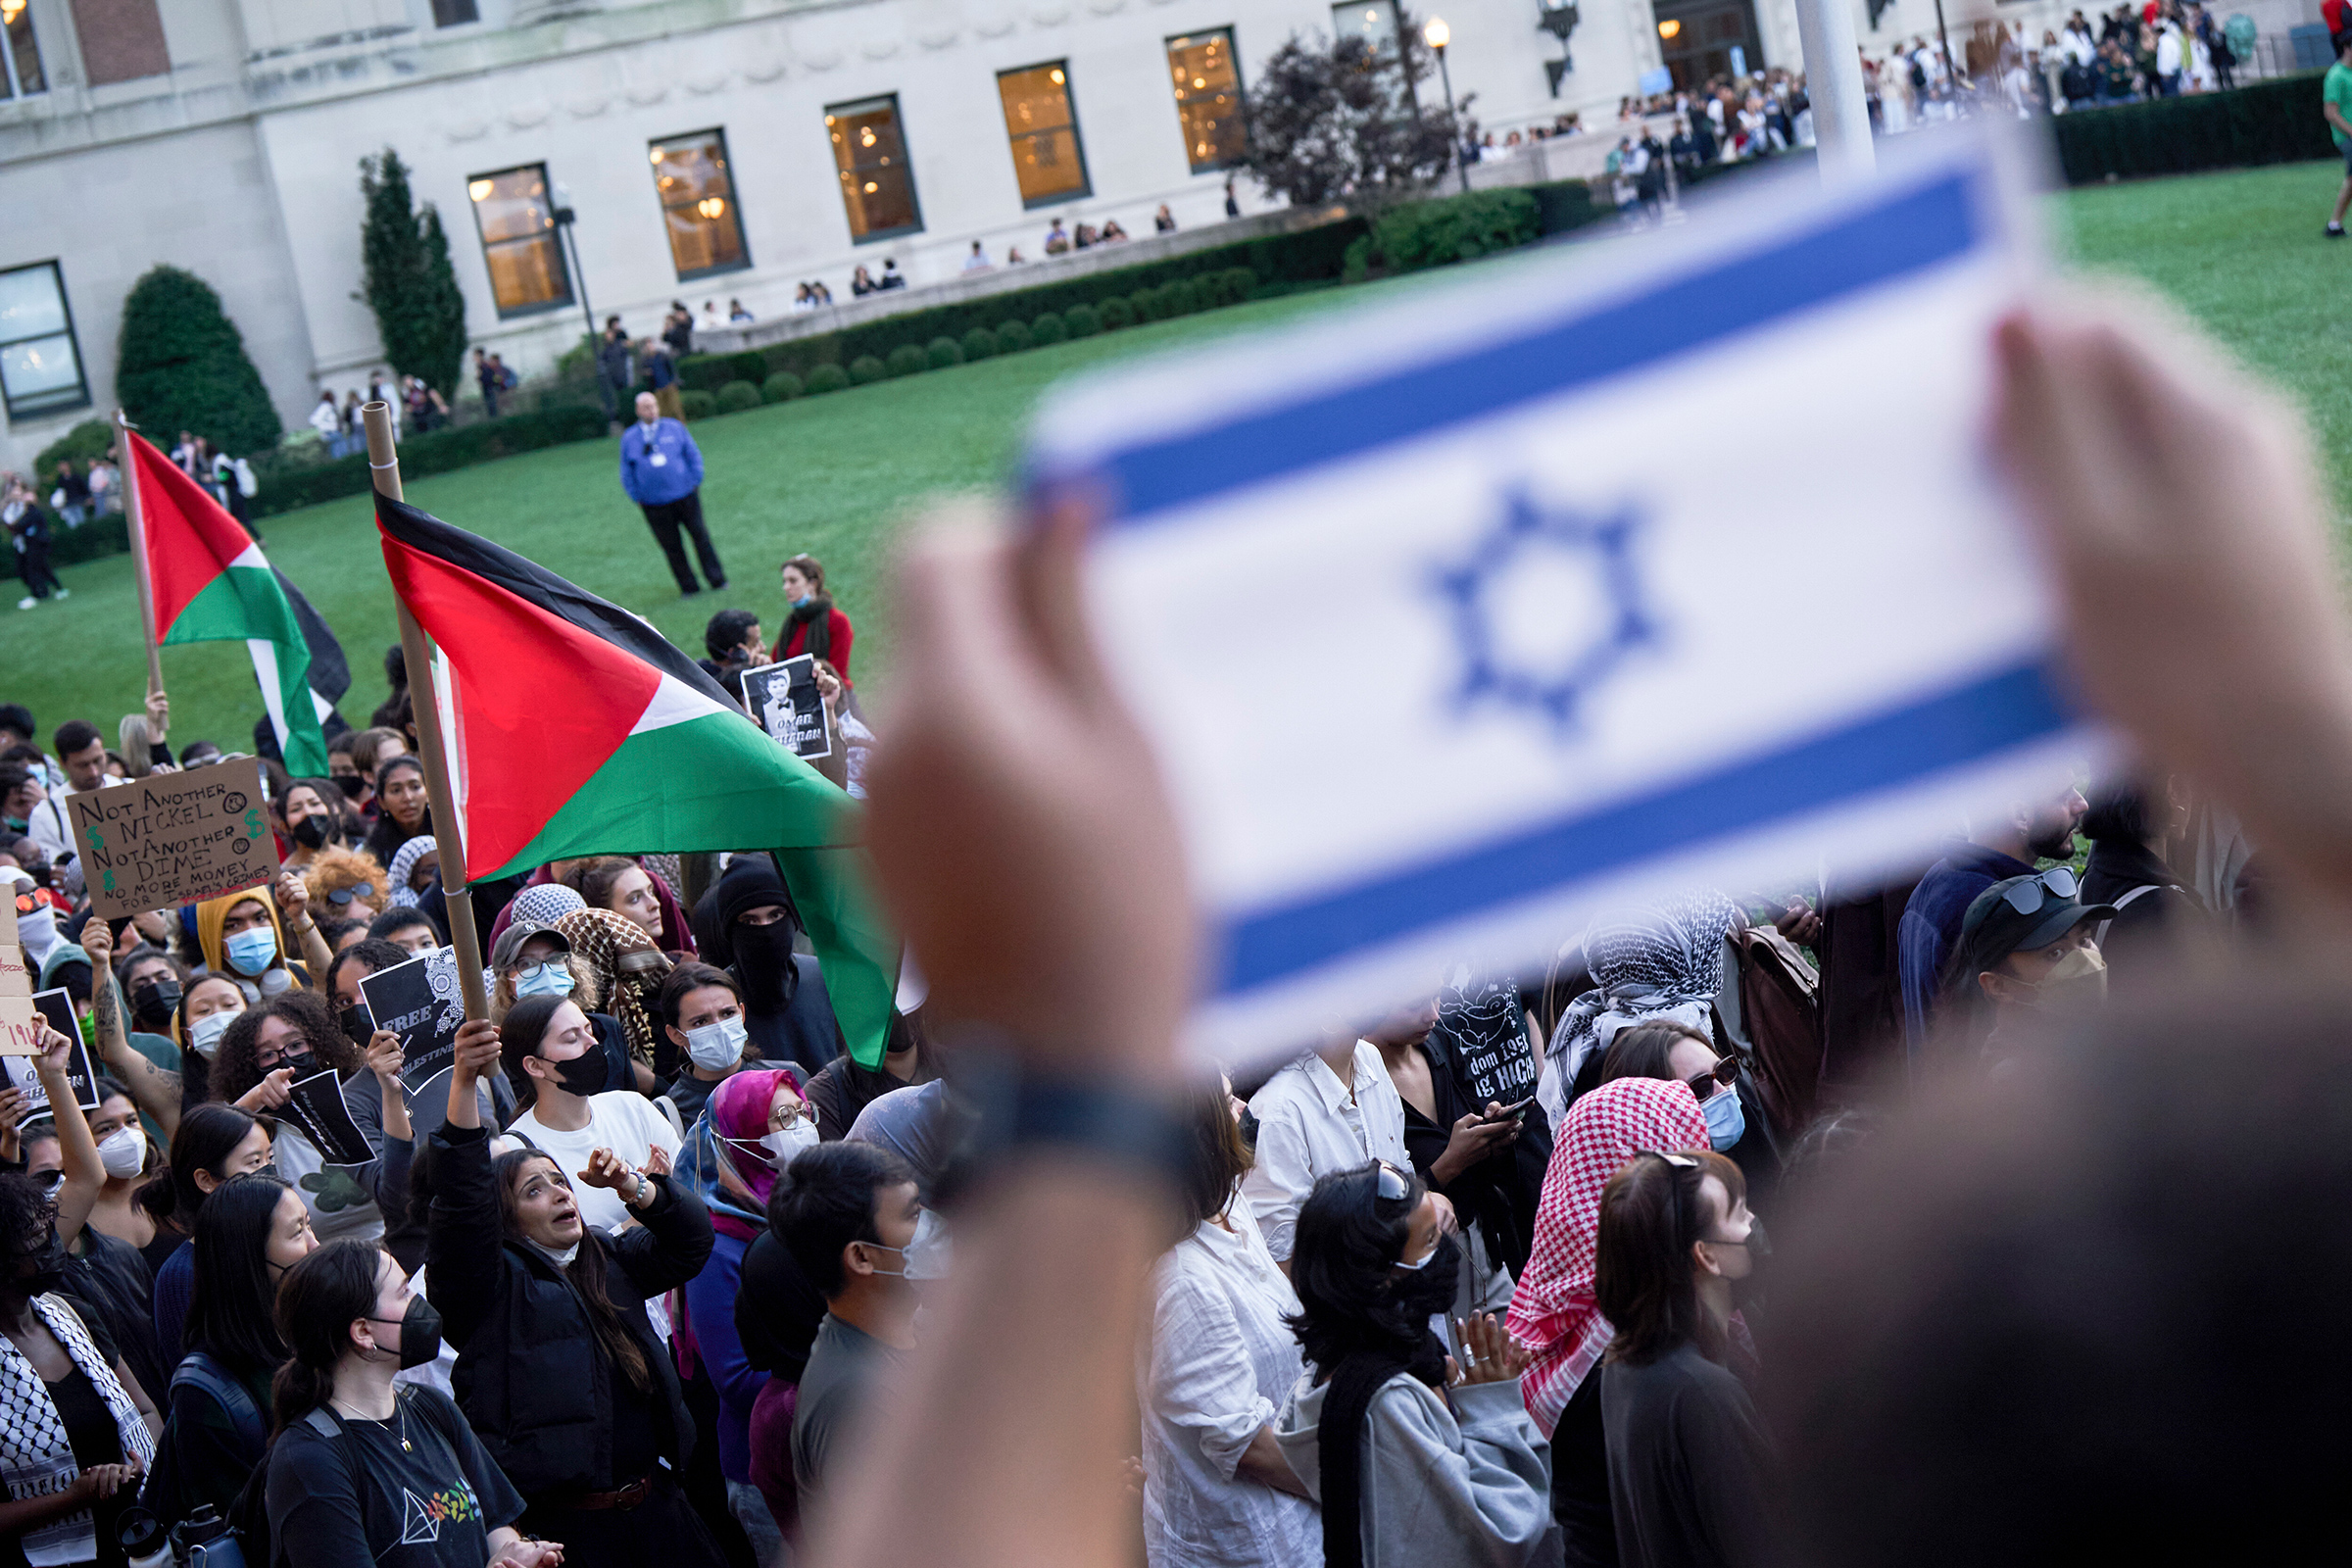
[
  {"x": 575, "y": 728},
  {"x": 209, "y": 583}
]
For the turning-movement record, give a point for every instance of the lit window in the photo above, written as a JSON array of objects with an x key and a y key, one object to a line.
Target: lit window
[
  {"x": 1208, "y": 98},
  {"x": 21, "y": 60},
  {"x": 869, "y": 151},
  {"x": 520, "y": 244},
  {"x": 41, "y": 364},
  {"x": 1373, "y": 20},
  {"x": 698, "y": 204},
  {"x": 1046, "y": 157}
]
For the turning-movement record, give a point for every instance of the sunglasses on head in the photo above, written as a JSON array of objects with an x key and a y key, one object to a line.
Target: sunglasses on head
[
  {"x": 358, "y": 890},
  {"x": 2026, "y": 898},
  {"x": 1393, "y": 1184}
]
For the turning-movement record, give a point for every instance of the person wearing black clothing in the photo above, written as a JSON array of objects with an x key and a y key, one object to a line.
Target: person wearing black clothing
[
  {"x": 2126, "y": 869},
  {"x": 616, "y": 363},
  {"x": 363, "y": 1471},
  {"x": 249, "y": 1233},
  {"x": 777, "y": 1312},
  {"x": 486, "y": 376},
  {"x": 746, "y": 923},
  {"x": 401, "y": 809},
  {"x": 1690, "y": 1480},
  {"x": 846, "y": 1087},
  {"x": 559, "y": 1370},
  {"x": 29, "y": 526}
]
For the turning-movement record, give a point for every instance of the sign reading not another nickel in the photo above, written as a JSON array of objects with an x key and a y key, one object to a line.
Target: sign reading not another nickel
[{"x": 173, "y": 838}]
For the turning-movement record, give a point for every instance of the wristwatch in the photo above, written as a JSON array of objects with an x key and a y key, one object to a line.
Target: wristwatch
[{"x": 1118, "y": 1123}]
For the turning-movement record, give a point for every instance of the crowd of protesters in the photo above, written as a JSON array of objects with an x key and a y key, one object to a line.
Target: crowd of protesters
[{"x": 658, "y": 1271}]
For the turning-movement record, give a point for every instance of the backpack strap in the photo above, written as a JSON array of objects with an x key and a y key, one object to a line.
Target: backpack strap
[
  {"x": 207, "y": 1376},
  {"x": 2124, "y": 902}
]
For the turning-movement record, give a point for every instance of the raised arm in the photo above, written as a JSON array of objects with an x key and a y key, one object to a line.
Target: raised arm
[
  {"x": 153, "y": 1090},
  {"x": 78, "y": 1151},
  {"x": 464, "y": 1237},
  {"x": 294, "y": 902},
  {"x": 1027, "y": 851}
]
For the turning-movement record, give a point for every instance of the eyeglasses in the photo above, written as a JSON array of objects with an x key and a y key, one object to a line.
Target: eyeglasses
[
  {"x": 1393, "y": 1184},
  {"x": 2026, "y": 897},
  {"x": 532, "y": 971},
  {"x": 1725, "y": 1072},
  {"x": 358, "y": 890}
]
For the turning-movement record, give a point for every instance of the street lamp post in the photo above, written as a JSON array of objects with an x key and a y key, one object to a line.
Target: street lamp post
[
  {"x": 1438, "y": 35},
  {"x": 563, "y": 217}
]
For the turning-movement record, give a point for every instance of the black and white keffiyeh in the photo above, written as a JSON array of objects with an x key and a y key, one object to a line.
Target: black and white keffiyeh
[
  {"x": 1662, "y": 961},
  {"x": 35, "y": 1454}
]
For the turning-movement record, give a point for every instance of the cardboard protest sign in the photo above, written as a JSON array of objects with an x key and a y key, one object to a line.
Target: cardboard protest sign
[
  {"x": 1516, "y": 539},
  {"x": 785, "y": 700},
  {"x": 315, "y": 1105},
  {"x": 20, "y": 1022},
  {"x": 56, "y": 1010},
  {"x": 420, "y": 1002},
  {"x": 173, "y": 838}
]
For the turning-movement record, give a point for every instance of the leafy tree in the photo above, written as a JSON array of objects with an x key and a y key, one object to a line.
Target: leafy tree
[
  {"x": 182, "y": 366},
  {"x": 87, "y": 440},
  {"x": 1339, "y": 122},
  {"x": 407, "y": 279}
]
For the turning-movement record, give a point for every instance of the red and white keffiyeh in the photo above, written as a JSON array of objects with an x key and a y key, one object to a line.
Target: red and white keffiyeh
[{"x": 1553, "y": 1310}]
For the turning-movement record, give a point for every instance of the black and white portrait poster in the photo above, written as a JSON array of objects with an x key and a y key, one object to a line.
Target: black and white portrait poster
[
  {"x": 316, "y": 1103},
  {"x": 418, "y": 1001},
  {"x": 784, "y": 699},
  {"x": 57, "y": 1009}
]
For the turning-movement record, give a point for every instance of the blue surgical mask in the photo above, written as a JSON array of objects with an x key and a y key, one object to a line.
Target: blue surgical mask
[
  {"x": 804, "y": 598},
  {"x": 553, "y": 979},
  {"x": 252, "y": 952},
  {"x": 1726, "y": 1123}
]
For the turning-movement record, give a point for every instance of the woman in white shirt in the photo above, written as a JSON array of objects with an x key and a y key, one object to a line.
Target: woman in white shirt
[
  {"x": 557, "y": 1067},
  {"x": 1217, "y": 1492}
]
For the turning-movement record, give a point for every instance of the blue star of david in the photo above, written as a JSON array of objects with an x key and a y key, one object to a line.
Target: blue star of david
[{"x": 1606, "y": 543}]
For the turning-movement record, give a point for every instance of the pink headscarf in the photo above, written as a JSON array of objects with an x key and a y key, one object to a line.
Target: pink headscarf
[
  {"x": 1552, "y": 1311},
  {"x": 739, "y": 1116}
]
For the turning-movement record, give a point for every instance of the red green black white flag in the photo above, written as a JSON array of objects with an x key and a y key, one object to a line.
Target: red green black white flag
[{"x": 573, "y": 728}]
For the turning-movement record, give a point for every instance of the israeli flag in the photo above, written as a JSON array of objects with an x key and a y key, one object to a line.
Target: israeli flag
[{"x": 1574, "y": 580}]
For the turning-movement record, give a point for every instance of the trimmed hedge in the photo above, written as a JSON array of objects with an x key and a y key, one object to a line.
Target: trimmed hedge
[
  {"x": 781, "y": 387},
  {"x": 941, "y": 353},
  {"x": 2273, "y": 121},
  {"x": 824, "y": 378},
  {"x": 1082, "y": 321},
  {"x": 865, "y": 369},
  {"x": 696, "y": 404},
  {"x": 737, "y": 396},
  {"x": 1011, "y": 338},
  {"x": 88, "y": 440},
  {"x": 437, "y": 453},
  {"x": 109, "y": 536},
  {"x": 980, "y": 344},
  {"x": 1455, "y": 228},
  {"x": 1116, "y": 313},
  {"x": 1047, "y": 329},
  {"x": 908, "y": 359}
]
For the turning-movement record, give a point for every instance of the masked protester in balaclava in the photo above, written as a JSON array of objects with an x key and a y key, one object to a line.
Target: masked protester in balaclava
[{"x": 747, "y": 924}]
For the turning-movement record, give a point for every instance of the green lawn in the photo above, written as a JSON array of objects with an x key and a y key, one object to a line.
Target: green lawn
[{"x": 830, "y": 475}]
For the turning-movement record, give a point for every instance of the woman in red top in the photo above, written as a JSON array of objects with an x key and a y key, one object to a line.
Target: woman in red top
[{"x": 812, "y": 625}]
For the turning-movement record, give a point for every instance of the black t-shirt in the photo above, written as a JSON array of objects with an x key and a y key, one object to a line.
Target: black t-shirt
[
  {"x": 358, "y": 1497},
  {"x": 111, "y": 1286},
  {"x": 90, "y": 1428},
  {"x": 1690, "y": 1469}
]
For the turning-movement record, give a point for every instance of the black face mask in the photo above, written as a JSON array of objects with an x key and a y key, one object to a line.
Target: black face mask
[
  {"x": 310, "y": 832},
  {"x": 304, "y": 1063},
  {"x": 763, "y": 962},
  {"x": 48, "y": 1271},
  {"x": 1749, "y": 1288},
  {"x": 359, "y": 1024},
  {"x": 1431, "y": 1288},
  {"x": 419, "y": 1333},
  {"x": 351, "y": 785},
  {"x": 153, "y": 1002},
  {"x": 583, "y": 1074}
]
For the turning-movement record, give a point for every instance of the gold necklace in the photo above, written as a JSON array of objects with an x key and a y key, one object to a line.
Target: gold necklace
[{"x": 398, "y": 1410}]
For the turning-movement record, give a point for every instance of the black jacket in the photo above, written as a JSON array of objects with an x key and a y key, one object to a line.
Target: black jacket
[{"x": 523, "y": 1334}]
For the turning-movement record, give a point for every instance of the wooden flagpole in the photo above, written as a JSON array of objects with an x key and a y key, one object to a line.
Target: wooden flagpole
[
  {"x": 136, "y": 517},
  {"x": 424, "y": 703}
]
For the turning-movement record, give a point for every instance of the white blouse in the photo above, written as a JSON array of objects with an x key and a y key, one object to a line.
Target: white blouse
[{"x": 1219, "y": 1362}]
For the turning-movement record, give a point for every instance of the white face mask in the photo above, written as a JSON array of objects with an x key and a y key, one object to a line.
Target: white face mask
[
  {"x": 124, "y": 1151},
  {"x": 204, "y": 1035},
  {"x": 561, "y": 1259},
  {"x": 716, "y": 1047},
  {"x": 787, "y": 1142}
]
